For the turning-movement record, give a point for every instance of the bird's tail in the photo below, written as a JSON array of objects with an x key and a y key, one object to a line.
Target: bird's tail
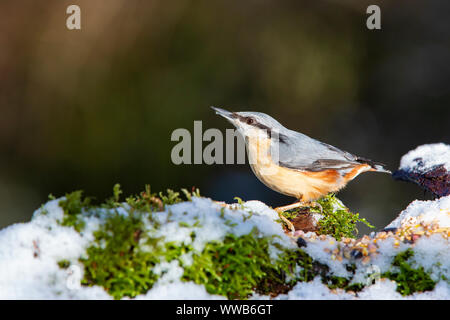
[{"x": 376, "y": 166}]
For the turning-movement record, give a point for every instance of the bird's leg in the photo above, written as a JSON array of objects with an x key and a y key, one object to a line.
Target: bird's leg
[
  {"x": 280, "y": 211},
  {"x": 288, "y": 223},
  {"x": 298, "y": 204},
  {"x": 315, "y": 204},
  {"x": 294, "y": 205}
]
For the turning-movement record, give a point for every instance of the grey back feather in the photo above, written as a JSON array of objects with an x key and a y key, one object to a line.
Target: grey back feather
[{"x": 298, "y": 151}]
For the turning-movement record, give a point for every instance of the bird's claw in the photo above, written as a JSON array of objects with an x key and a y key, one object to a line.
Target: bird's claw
[
  {"x": 317, "y": 205},
  {"x": 288, "y": 223}
]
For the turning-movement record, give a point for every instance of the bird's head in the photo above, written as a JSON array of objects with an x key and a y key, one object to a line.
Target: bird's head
[{"x": 251, "y": 123}]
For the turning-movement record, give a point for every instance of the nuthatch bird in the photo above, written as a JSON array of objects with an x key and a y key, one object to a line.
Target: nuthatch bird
[{"x": 292, "y": 163}]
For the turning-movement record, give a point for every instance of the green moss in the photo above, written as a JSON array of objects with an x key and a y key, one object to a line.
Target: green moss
[
  {"x": 240, "y": 202},
  {"x": 355, "y": 287},
  {"x": 408, "y": 279},
  {"x": 113, "y": 202},
  {"x": 117, "y": 262},
  {"x": 73, "y": 204},
  {"x": 123, "y": 256},
  {"x": 64, "y": 264},
  {"x": 195, "y": 193},
  {"x": 43, "y": 210},
  {"x": 237, "y": 266},
  {"x": 173, "y": 250},
  {"x": 171, "y": 197},
  {"x": 147, "y": 201},
  {"x": 290, "y": 215},
  {"x": 334, "y": 282},
  {"x": 338, "y": 221},
  {"x": 337, "y": 282}
]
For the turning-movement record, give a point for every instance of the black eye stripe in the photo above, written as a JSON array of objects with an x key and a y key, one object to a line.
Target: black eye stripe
[
  {"x": 244, "y": 119},
  {"x": 252, "y": 121},
  {"x": 281, "y": 137}
]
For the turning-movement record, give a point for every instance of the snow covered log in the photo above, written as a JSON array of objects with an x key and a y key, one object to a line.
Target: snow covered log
[
  {"x": 146, "y": 248},
  {"x": 427, "y": 166}
]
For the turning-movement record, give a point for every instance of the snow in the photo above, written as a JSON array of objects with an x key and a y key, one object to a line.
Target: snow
[
  {"x": 383, "y": 289},
  {"x": 428, "y": 252},
  {"x": 28, "y": 259},
  {"x": 319, "y": 250},
  {"x": 437, "y": 211},
  {"x": 29, "y": 252},
  {"x": 214, "y": 222},
  {"x": 178, "y": 291},
  {"x": 441, "y": 291},
  {"x": 426, "y": 157},
  {"x": 170, "y": 287},
  {"x": 313, "y": 290}
]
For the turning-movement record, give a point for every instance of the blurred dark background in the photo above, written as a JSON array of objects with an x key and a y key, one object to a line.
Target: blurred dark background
[{"x": 87, "y": 109}]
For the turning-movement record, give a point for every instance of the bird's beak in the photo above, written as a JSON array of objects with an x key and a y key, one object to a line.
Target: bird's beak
[{"x": 224, "y": 113}]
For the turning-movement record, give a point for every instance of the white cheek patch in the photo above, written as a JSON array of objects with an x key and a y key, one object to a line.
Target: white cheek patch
[{"x": 255, "y": 133}]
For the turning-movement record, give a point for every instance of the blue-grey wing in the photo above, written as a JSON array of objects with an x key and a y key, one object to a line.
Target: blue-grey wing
[{"x": 298, "y": 151}]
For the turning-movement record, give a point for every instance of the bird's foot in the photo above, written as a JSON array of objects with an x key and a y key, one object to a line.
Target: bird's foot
[
  {"x": 315, "y": 204},
  {"x": 282, "y": 209},
  {"x": 296, "y": 205},
  {"x": 299, "y": 205},
  {"x": 290, "y": 207},
  {"x": 288, "y": 223}
]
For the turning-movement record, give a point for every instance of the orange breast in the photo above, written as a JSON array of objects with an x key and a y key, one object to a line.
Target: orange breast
[{"x": 303, "y": 185}]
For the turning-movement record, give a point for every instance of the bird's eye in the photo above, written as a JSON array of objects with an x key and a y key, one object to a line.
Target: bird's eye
[{"x": 250, "y": 121}]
